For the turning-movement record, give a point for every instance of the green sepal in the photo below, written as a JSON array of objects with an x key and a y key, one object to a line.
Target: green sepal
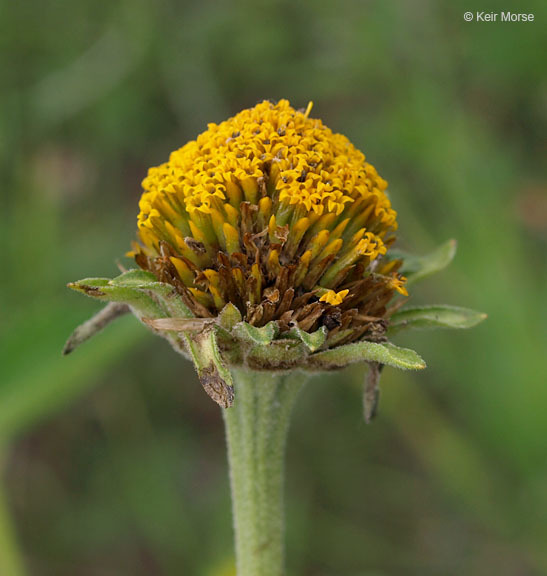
[
  {"x": 214, "y": 375},
  {"x": 229, "y": 316},
  {"x": 313, "y": 341},
  {"x": 432, "y": 317},
  {"x": 334, "y": 340},
  {"x": 140, "y": 290},
  {"x": 283, "y": 354},
  {"x": 418, "y": 267},
  {"x": 142, "y": 280},
  {"x": 134, "y": 277},
  {"x": 383, "y": 353},
  {"x": 103, "y": 289},
  {"x": 93, "y": 283},
  {"x": 253, "y": 335}
]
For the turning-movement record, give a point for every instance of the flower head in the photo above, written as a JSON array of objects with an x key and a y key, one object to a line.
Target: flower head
[
  {"x": 274, "y": 213},
  {"x": 265, "y": 243}
]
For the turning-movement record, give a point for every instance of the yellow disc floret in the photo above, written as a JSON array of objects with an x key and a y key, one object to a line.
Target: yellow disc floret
[
  {"x": 269, "y": 210},
  {"x": 307, "y": 166},
  {"x": 333, "y": 298}
]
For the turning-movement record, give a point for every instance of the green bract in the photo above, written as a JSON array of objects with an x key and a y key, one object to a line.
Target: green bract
[{"x": 217, "y": 345}]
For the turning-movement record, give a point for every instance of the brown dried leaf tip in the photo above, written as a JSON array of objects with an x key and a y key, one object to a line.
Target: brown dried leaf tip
[{"x": 217, "y": 388}]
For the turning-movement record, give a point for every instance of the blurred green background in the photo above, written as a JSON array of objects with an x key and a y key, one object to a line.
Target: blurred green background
[{"x": 113, "y": 459}]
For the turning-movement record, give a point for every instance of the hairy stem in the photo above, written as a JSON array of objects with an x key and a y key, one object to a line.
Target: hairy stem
[{"x": 256, "y": 430}]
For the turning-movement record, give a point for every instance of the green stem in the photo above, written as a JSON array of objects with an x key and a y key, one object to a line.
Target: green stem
[
  {"x": 256, "y": 430},
  {"x": 10, "y": 558}
]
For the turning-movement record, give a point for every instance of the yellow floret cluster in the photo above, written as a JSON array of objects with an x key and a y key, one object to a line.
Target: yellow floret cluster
[
  {"x": 270, "y": 193},
  {"x": 305, "y": 164}
]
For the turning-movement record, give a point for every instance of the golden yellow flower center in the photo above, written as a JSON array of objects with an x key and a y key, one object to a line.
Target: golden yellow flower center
[
  {"x": 268, "y": 201},
  {"x": 307, "y": 167}
]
